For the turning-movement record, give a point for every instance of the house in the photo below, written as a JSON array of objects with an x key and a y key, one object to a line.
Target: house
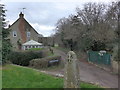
[
  {"x": 21, "y": 32},
  {"x": 31, "y": 44}
]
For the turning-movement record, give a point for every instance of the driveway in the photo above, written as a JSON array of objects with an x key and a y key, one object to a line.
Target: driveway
[{"x": 90, "y": 73}]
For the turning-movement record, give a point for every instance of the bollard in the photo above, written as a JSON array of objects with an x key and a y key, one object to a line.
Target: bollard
[{"x": 71, "y": 73}]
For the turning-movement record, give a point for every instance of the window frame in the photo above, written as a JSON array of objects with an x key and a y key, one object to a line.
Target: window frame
[
  {"x": 14, "y": 33},
  {"x": 28, "y": 34}
]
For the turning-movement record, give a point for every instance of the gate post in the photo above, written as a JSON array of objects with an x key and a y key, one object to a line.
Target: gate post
[{"x": 71, "y": 73}]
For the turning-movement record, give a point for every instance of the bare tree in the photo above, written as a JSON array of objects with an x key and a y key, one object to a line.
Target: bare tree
[{"x": 93, "y": 23}]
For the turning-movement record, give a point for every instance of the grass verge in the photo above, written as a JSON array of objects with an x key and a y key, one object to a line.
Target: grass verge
[{"x": 21, "y": 77}]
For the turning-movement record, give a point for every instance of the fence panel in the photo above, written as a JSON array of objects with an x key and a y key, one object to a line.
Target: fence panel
[{"x": 99, "y": 58}]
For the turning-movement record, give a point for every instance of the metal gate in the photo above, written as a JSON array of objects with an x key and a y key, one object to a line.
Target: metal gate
[{"x": 99, "y": 57}]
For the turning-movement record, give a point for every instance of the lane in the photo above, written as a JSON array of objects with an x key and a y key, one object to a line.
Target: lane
[{"x": 90, "y": 73}]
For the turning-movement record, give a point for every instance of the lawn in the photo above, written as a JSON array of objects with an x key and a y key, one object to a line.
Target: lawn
[{"x": 21, "y": 77}]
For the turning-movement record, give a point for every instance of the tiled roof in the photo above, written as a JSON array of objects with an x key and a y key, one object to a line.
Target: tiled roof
[{"x": 32, "y": 42}]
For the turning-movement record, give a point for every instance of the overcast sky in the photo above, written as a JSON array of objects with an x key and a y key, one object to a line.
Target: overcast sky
[{"x": 43, "y": 14}]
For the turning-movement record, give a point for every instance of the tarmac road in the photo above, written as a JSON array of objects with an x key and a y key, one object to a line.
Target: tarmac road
[{"x": 91, "y": 73}]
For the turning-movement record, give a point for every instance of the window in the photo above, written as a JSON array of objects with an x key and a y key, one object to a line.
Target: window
[
  {"x": 14, "y": 34},
  {"x": 28, "y": 34}
]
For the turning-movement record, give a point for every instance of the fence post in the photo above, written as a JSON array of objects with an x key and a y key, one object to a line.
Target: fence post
[{"x": 71, "y": 74}]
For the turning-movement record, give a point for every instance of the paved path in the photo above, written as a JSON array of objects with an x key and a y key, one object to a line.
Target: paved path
[{"x": 90, "y": 73}]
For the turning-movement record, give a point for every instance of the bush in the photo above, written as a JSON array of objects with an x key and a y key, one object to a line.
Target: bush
[
  {"x": 6, "y": 49},
  {"x": 98, "y": 45},
  {"x": 44, "y": 62},
  {"x": 23, "y": 58}
]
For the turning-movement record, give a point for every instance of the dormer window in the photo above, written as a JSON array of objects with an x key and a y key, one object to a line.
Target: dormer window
[
  {"x": 14, "y": 34},
  {"x": 28, "y": 34}
]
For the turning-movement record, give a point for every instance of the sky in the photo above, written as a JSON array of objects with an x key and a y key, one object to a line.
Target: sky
[{"x": 43, "y": 14}]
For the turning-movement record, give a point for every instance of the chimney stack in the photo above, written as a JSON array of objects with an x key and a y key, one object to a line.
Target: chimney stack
[
  {"x": 21, "y": 15},
  {"x": 9, "y": 26}
]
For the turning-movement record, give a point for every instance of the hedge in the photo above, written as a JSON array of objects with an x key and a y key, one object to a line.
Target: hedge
[
  {"x": 23, "y": 58},
  {"x": 45, "y": 62}
]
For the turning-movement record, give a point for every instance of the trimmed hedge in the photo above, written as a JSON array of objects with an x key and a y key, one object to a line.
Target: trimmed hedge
[
  {"x": 23, "y": 58},
  {"x": 44, "y": 62},
  {"x": 35, "y": 49}
]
